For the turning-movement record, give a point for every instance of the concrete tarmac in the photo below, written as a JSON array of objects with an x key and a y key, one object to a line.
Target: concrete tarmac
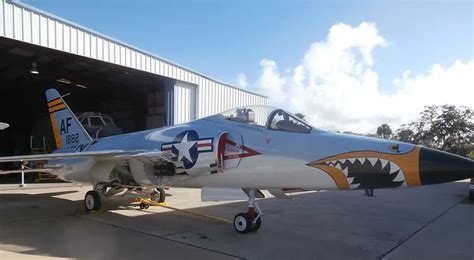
[{"x": 431, "y": 222}]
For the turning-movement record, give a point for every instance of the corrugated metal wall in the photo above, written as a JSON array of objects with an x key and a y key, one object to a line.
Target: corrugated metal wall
[
  {"x": 214, "y": 98},
  {"x": 25, "y": 23}
]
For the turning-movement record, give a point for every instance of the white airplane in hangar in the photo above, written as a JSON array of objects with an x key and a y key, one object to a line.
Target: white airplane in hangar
[{"x": 249, "y": 148}]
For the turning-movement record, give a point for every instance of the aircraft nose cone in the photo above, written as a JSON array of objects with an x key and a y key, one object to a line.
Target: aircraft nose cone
[{"x": 438, "y": 166}]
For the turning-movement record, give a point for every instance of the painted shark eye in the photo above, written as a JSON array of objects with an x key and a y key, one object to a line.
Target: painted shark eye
[{"x": 395, "y": 148}]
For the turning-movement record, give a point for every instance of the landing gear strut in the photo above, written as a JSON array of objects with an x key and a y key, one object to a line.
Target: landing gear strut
[{"x": 251, "y": 220}]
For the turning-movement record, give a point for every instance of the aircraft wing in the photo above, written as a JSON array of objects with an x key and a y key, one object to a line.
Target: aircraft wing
[
  {"x": 105, "y": 154},
  {"x": 110, "y": 155},
  {"x": 149, "y": 156},
  {"x": 47, "y": 170}
]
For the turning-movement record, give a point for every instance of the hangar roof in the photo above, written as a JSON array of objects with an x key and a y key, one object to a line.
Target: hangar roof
[{"x": 23, "y": 22}]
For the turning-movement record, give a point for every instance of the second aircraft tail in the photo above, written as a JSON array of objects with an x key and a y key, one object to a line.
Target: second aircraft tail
[{"x": 68, "y": 131}]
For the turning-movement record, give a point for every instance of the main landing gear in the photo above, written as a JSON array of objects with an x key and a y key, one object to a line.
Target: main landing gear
[
  {"x": 93, "y": 199},
  {"x": 251, "y": 220}
]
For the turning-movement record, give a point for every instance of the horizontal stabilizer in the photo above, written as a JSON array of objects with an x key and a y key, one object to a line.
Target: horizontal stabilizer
[{"x": 107, "y": 154}]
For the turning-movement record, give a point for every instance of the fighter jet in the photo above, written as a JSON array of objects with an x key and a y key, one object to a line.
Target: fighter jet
[{"x": 251, "y": 148}]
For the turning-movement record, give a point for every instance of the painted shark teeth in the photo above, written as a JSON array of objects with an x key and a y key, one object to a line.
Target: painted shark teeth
[
  {"x": 343, "y": 165},
  {"x": 350, "y": 180},
  {"x": 399, "y": 177},
  {"x": 372, "y": 160},
  {"x": 345, "y": 171},
  {"x": 354, "y": 186},
  {"x": 384, "y": 162},
  {"x": 393, "y": 167}
]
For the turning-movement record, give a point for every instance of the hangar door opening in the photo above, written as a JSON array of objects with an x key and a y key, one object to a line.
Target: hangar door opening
[
  {"x": 100, "y": 93},
  {"x": 184, "y": 102}
]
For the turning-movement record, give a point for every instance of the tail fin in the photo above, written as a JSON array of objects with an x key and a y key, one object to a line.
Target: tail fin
[{"x": 68, "y": 131}]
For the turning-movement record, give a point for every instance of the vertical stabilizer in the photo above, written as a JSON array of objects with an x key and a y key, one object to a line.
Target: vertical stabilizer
[{"x": 68, "y": 131}]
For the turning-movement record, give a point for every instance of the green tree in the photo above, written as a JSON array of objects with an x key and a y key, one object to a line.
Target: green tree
[
  {"x": 447, "y": 127},
  {"x": 404, "y": 134},
  {"x": 384, "y": 131}
]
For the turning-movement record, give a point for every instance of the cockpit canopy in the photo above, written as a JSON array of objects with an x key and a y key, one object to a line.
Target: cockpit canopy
[{"x": 269, "y": 117}]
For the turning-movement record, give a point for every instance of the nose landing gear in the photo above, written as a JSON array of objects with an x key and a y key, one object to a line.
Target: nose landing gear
[{"x": 251, "y": 220}]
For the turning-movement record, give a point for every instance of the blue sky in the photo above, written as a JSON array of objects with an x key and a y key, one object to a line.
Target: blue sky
[
  {"x": 268, "y": 40},
  {"x": 224, "y": 38}
]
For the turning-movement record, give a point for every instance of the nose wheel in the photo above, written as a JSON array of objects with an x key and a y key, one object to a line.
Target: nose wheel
[{"x": 251, "y": 220}]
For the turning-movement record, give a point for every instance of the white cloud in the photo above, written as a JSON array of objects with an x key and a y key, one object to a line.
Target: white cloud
[
  {"x": 271, "y": 82},
  {"x": 336, "y": 87},
  {"x": 242, "y": 80}
]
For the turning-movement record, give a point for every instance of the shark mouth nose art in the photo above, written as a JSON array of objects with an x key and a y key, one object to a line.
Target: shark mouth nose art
[
  {"x": 364, "y": 172},
  {"x": 371, "y": 169}
]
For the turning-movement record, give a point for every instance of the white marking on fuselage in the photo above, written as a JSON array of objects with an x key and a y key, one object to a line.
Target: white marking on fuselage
[{"x": 184, "y": 147}]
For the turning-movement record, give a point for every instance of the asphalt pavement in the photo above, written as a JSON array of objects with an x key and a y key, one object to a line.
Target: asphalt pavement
[{"x": 431, "y": 222}]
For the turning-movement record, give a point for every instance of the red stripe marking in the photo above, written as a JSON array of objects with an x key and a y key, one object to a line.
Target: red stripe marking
[{"x": 203, "y": 145}]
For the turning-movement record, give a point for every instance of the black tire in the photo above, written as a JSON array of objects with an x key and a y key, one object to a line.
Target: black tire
[
  {"x": 142, "y": 205},
  {"x": 471, "y": 195},
  {"x": 92, "y": 200},
  {"x": 162, "y": 193},
  {"x": 241, "y": 223},
  {"x": 256, "y": 226}
]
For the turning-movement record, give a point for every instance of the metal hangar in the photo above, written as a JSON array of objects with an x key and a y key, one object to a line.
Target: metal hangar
[{"x": 137, "y": 89}]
